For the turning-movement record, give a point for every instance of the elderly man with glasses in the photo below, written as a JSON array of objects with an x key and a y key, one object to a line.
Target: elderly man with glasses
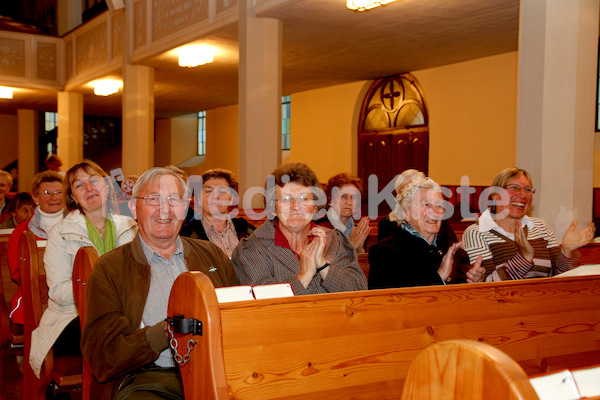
[{"x": 125, "y": 336}]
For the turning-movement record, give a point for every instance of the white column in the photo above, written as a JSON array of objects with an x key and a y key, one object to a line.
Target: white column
[
  {"x": 70, "y": 128},
  {"x": 27, "y": 147},
  {"x": 260, "y": 41},
  {"x": 558, "y": 48},
  {"x": 138, "y": 119}
]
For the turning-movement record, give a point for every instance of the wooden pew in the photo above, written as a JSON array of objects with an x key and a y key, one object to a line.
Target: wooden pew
[
  {"x": 590, "y": 254},
  {"x": 359, "y": 345},
  {"x": 363, "y": 263},
  {"x": 466, "y": 370},
  {"x": 84, "y": 261},
  {"x": 65, "y": 372},
  {"x": 5, "y": 324}
]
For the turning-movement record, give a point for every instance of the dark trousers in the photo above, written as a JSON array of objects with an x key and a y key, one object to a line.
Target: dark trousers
[{"x": 152, "y": 382}]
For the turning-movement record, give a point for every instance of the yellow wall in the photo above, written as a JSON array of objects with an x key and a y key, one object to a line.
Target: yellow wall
[
  {"x": 221, "y": 141},
  {"x": 323, "y": 128},
  {"x": 472, "y": 111},
  {"x": 184, "y": 138}
]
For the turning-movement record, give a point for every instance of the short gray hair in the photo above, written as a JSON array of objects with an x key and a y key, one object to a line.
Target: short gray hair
[
  {"x": 153, "y": 176},
  {"x": 406, "y": 177},
  {"x": 408, "y": 193}
]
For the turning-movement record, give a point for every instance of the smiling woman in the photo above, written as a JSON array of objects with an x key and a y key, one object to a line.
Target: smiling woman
[
  {"x": 415, "y": 255},
  {"x": 291, "y": 247},
  {"x": 90, "y": 222},
  {"x": 514, "y": 245}
]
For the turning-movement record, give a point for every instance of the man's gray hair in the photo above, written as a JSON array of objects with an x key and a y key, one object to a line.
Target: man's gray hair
[
  {"x": 153, "y": 176},
  {"x": 409, "y": 191}
]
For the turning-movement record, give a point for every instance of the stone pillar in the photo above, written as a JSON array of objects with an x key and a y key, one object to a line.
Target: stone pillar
[
  {"x": 260, "y": 41},
  {"x": 558, "y": 49},
  {"x": 138, "y": 119},
  {"x": 27, "y": 147},
  {"x": 70, "y": 128}
]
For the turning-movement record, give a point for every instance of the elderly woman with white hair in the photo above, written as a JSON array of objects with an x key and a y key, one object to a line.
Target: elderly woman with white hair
[
  {"x": 416, "y": 255},
  {"x": 388, "y": 225}
]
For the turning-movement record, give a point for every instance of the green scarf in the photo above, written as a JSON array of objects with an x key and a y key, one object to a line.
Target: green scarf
[{"x": 102, "y": 245}]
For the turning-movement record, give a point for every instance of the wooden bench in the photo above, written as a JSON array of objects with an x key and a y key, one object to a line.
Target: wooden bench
[
  {"x": 82, "y": 267},
  {"x": 359, "y": 345},
  {"x": 466, "y": 370},
  {"x": 590, "y": 253},
  {"x": 6, "y": 334},
  {"x": 64, "y": 372}
]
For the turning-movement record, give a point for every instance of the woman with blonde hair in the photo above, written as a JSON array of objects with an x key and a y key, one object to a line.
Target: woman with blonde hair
[
  {"x": 89, "y": 198},
  {"x": 514, "y": 245}
]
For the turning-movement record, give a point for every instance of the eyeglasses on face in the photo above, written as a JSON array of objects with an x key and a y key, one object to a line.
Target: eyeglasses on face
[
  {"x": 156, "y": 200},
  {"x": 517, "y": 188},
  {"x": 303, "y": 199},
  {"x": 95, "y": 180},
  {"x": 49, "y": 193}
]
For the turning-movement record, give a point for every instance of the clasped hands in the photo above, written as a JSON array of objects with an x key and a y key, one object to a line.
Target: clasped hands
[
  {"x": 359, "y": 234},
  {"x": 313, "y": 256}
]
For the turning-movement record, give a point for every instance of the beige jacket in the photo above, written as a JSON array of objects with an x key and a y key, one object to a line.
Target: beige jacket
[{"x": 64, "y": 240}]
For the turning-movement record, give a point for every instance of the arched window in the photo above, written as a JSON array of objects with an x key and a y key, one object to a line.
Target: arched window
[{"x": 394, "y": 103}]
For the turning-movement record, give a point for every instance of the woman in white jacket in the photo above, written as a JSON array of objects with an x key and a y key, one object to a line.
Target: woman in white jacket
[{"x": 87, "y": 190}]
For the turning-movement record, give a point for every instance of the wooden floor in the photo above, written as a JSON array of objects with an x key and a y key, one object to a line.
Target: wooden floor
[{"x": 13, "y": 380}]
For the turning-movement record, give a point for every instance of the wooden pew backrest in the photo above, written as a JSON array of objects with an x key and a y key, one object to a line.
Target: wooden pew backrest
[
  {"x": 4, "y": 311},
  {"x": 31, "y": 271},
  {"x": 466, "y": 370},
  {"x": 82, "y": 268},
  {"x": 35, "y": 299},
  {"x": 360, "y": 344}
]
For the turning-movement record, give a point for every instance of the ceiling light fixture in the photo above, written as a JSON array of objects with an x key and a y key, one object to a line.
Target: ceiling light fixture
[
  {"x": 106, "y": 87},
  {"x": 195, "y": 55},
  {"x": 364, "y": 5},
  {"x": 6, "y": 92}
]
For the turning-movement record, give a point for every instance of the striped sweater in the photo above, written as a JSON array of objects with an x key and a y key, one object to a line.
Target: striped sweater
[{"x": 501, "y": 257}]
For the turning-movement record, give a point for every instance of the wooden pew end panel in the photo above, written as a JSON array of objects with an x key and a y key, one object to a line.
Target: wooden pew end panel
[
  {"x": 193, "y": 297},
  {"x": 465, "y": 370}
]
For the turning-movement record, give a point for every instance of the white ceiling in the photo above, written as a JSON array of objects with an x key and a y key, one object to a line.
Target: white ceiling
[{"x": 325, "y": 44}]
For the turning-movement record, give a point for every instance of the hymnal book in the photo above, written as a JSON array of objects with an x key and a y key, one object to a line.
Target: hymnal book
[
  {"x": 234, "y": 293},
  {"x": 272, "y": 291},
  {"x": 557, "y": 386},
  {"x": 588, "y": 381},
  {"x": 587, "y": 269},
  {"x": 568, "y": 385},
  {"x": 6, "y": 231},
  {"x": 41, "y": 243},
  {"x": 258, "y": 292}
]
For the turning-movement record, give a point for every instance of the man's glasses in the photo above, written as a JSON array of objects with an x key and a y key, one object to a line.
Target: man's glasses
[
  {"x": 49, "y": 193},
  {"x": 156, "y": 200},
  {"x": 517, "y": 188}
]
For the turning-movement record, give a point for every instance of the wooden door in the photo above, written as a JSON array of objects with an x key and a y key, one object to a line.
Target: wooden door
[{"x": 393, "y": 135}]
